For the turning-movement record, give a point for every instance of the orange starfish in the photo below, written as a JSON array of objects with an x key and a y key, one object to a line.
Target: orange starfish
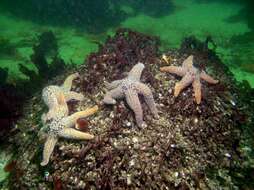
[{"x": 191, "y": 75}]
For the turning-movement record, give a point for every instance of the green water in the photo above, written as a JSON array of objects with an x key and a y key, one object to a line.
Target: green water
[
  {"x": 229, "y": 23},
  {"x": 200, "y": 18}
]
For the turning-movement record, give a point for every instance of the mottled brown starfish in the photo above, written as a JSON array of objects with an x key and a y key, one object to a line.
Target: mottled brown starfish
[
  {"x": 129, "y": 88},
  {"x": 191, "y": 75}
]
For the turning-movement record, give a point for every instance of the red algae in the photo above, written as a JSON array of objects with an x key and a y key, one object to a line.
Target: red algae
[{"x": 57, "y": 183}]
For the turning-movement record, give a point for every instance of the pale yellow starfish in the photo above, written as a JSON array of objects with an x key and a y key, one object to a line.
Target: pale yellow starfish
[
  {"x": 51, "y": 95},
  {"x": 191, "y": 75},
  {"x": 61, "y": 126}
]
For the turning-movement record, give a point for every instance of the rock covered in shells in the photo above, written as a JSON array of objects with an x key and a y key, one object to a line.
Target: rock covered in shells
[{"x": 188, "y": 147}]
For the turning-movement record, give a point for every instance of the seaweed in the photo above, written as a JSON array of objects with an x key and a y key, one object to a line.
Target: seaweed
[
  {"x": 6, "y": 48},
  {"x": 46, "y": 46},
  {"x": 191, "y": 43},
  {"x": 13, "y": 95}
]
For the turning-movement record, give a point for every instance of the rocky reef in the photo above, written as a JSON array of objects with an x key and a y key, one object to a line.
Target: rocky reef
[{"x": 191, "y": 146}]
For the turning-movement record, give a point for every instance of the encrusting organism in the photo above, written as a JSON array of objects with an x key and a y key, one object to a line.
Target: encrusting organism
[
  {"x": 191, "y": 75},
  {"x": 129, "y": 88},
  {"x": 58, "y": 121}
]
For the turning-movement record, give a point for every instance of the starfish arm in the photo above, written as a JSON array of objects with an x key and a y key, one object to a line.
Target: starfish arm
[
  {"x": 113, "y": 84},
  {"x": 68, "y": 81},
  {"x": 48, "y": 149},
  {"x": 71, "y": 120},
  {"x": 111, "y": 95},
  {"x": 133, "y": 101},
  {"x": 53, "y": 96},
  {"x": 197, "y": 89},
  {"x": 186, "y": 81},
  {"x": 44, "y": 118},
  {"x": 136, "y": 71},
  {"x": 60, "y": 110},
  {"x": 61, "y": 100},
  {"x": 208, "y": 78},
  {"x": 180, "y": 71},
  {"x": 49, "y": 96},
  {"x": 70, "y": 95},
  {"x": 74, "y": 134},
  {"x": 148, "y": 96},
  {"x": 188, "y": 63}
]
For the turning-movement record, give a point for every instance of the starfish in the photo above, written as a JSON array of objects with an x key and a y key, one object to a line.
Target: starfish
[
  {"x": 52, "y": 93},
  {"x": 191, "y": 75},
  {"x": 61, "y": 126},
  {"x": 129, "y": 88}
]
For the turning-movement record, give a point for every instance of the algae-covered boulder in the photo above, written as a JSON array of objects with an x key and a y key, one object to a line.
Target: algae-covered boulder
[{"x": 190, "y": 145}]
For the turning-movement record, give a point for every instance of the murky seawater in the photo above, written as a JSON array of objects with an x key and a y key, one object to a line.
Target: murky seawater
[{"x": 42, "y": 39}]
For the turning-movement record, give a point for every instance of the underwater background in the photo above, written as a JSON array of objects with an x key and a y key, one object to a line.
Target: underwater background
[
  {"x": 80, "y": 25},
  {"x": 41, "y": 39}
]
